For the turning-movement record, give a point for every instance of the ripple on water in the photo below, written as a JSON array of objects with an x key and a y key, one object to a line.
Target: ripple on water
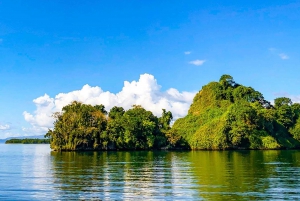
[{"x": 35, "y": 173}]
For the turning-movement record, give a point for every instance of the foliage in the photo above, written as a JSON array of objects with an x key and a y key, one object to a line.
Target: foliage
[
  {"x": 295, "y": 131},
  {"x": 227, "y": 115},
  {"x": 85, "y": 127},
  {"x": 27, "y": 141},
  {"x": 223, "y": 115},
  {"x": 79, "y": 126}
]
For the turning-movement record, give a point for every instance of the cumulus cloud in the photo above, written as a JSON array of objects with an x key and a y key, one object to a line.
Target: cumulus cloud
[
  {"x": 145, "y": 92},
  {"x": 197, "y": 62},
  {"x": 283, "y": 56},
  {"x": 42, "y": 119},
  {"x": 187, "y": 52},
  {"x": 4, "y": 127}
]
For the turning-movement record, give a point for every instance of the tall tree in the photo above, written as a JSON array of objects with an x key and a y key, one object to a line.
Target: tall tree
[
  {"x": 284, "y": 111},
  {"x": 78, "y": 126}
]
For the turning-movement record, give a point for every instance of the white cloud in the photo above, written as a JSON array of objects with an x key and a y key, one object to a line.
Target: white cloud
[
  {"x": 14, "y": 135},
  {"x": 197, "y": 62},
  {"x": 42, "y": 116},
  {"x": 187, "y": 52},
  {"x": 145, "y": 92},
  {"x": 283, "y": 56},
  {"x": 36, "y": 130},
  {"x": 4, "y": 127}
]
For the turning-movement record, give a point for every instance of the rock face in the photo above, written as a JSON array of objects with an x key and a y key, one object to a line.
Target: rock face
[{"x": 227, "y": 115}]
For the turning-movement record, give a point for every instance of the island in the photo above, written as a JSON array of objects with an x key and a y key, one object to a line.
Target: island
[
  {"x": 224, "y": 115},
  {"x": 27, "y": 141}
]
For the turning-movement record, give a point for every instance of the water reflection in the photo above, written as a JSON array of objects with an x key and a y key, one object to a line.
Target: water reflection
[
  {"x": 246, "y": 175},
  {"x": 24, "y": 172},
  {"x": 38, "y": 172},
  {"x": 32, "y": 172},
  {"x": 208, "y": 175},
  {"x": 122, "y": 175}
]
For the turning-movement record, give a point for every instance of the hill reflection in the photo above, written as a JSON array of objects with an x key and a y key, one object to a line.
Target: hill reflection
[{"x": 212, "y": 175}]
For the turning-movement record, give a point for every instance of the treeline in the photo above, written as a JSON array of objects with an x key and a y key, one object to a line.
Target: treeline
[
  {"x": 28, "y": 141},
  {"x": 228, "y": 115},
  {"x": 84, "y": 127},
  {"x": 223, "y": 115}
]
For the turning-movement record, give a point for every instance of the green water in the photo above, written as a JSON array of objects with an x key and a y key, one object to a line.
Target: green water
[{"x": 33, "y": 172}]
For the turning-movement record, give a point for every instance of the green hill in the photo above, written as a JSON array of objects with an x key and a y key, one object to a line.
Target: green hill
[
  {"x": 227, "y": 115},
  {"x": 223, "y": 115}
]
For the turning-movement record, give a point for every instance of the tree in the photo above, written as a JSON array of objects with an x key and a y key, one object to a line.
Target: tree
[
  {"x": 101, "y": 108},
  {"x": 165, "y": 120},
  {"x": 242, "y": 120},
  {"x": 227, "y": 80},
  {"x": 295, "y": 131},
  {"x": 116, "y": 112},
  {"x": 79, "y": 126},
  {"x": 282, "y": 101},
  {"x": 285, "y": 116},
  {"x": 115, "y": 127},
  {"x": 296, "y": 110},
  {"x": 247, "y": 93},
  {"x": 284, "y": 111},
  {"x": 140, "y": 127},
  {"x": 164, "y": 127}
]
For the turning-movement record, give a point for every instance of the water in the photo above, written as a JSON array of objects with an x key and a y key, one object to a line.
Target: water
[{"x": 33, "y": 172}]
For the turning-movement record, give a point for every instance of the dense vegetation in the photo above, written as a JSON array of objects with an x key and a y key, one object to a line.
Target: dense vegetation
[
  {"x": 223, "y": 115},
  {"x": 27, "y": 141},
  {"x": 85, "y": 127},
  {"x": 227, "y": 115}
]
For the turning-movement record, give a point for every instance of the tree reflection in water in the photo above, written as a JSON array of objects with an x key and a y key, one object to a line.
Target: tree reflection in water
[{"x": 213, "y": 175}]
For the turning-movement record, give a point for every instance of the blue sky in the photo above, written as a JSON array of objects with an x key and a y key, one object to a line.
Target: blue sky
[{"x": 53, "y": 47}]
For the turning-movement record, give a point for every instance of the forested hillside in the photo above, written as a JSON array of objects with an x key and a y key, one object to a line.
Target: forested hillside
[
  {"x": 228, "y": 115},
  {"x": 223, "y": 115}
]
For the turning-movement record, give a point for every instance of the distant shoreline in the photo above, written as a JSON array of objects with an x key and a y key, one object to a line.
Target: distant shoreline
[{"x": 28, "y": 141}]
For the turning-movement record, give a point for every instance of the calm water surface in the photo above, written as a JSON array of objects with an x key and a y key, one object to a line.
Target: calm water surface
[{"x": 33, "y": 172}]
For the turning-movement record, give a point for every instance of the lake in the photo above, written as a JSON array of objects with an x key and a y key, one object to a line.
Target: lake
[{"x": 33, "y": 172}]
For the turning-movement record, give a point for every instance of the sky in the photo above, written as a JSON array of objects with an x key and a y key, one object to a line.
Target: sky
[{"x": 157, "y": 54}]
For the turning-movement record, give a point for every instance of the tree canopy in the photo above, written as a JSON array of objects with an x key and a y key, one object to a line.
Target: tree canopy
[
  {"x": 223, "y": 115},
  {"x": 228, "y": 115},
  {"x": 27, "y": 141},
  {"x": 85, "y": 127}
]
